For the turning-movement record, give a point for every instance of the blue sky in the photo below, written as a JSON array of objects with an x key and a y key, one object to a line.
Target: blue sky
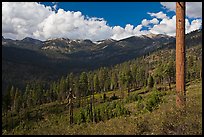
[
  {"x": 94, "y": 20},
  {"x": 115, "y": 13}
]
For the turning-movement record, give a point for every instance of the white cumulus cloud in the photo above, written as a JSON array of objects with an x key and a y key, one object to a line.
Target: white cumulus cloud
[
  {"x": 194, "y": 25},
  {"x": 129, "y": 30},
  {"x": 20, "y": 19},
  {"x": 193, "y": 9},
  {"x": 154, "y": 21},
  {"x": 159, "y": 15},
  {"x": 145, "y": 22},
  {"x": 73, "y": 25},
  {"x": 43, "y": 23},
  {"x": 31, "y": 19},
  {"x": 166, "y": 26}
]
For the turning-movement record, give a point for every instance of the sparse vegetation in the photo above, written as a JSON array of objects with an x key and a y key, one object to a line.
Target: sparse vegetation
[
  {"x": 162, "y": 120},
  {"x": 135, "y": 97}
]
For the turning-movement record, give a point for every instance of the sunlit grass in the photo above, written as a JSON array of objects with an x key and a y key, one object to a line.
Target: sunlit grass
[{"x": 164, "y": 119}]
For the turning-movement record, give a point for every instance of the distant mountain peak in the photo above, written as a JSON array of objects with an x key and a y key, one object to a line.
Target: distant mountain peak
[
  {"x": 104, "y": 41},
  {"x": 29, "y": 39},
  {"x": 155, "y": 36},
  {"x": 62, "y": 39},
  {"x": 87, "y": 40},
  {"x": 151, "y": 35}
]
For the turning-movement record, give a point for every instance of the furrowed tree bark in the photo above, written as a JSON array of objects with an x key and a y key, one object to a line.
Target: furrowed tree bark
[{"x": 180, "y": 54}]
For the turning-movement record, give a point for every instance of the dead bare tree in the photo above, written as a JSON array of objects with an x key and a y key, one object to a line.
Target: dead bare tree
[{"x": 70, "y": 98}]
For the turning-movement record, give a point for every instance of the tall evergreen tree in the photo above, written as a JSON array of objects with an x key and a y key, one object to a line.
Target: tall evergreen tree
[
  {"x": 62, "y": 89},
  {"x": 90, "y": 82},
  {"x": 17, "y": 100},
  {"x": 71, "y": 81},
  {"x": 150, "y": 82},
  {"x": 77, "y": 91},
  {"x": 128, "y": 79},
  {"x": 96, "y": 83},
  {"x": 83, "y": 85},
  {"x": 169, "y": 72},
  {"x": 12, "y": 96},
  {"x": 114, "y": 80},
  {"x": 102, "y": 79}
]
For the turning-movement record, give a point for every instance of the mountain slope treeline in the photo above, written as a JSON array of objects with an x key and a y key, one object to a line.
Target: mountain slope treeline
[{"x": 33, "y": 61}]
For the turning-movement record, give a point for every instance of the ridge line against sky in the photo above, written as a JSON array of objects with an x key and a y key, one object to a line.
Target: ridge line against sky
[{"x": 94, "y": 20}]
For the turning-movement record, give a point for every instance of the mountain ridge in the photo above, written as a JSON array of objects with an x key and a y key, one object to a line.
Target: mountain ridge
[{"x": 76, "y": 56}]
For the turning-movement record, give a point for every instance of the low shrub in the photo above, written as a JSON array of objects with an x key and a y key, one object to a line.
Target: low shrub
[
  {"x": 153, "y": 100},
  {"x": 132, "y": 98},
  {"x": 101, "y": 113}
]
